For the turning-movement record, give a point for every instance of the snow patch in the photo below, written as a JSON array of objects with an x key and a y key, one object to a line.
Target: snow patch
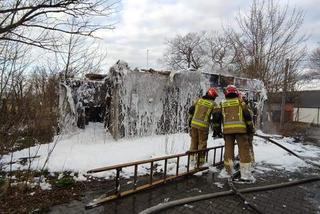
[
  {"x": 188, "y": 206},
  {"x": 219, "y": 184},
  {"x": 93, "y": 148},
  {"x": 45, "y": 186}
]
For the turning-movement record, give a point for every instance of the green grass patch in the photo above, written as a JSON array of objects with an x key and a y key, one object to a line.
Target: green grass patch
[{"x": 64, "y": 182}]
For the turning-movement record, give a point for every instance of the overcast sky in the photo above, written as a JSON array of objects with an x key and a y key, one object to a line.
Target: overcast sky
[{"x": 146, "y": 24}]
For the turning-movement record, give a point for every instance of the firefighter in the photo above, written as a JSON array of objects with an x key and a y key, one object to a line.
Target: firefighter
[
  {"x": 244, "y": 98},
  {"x": 199, "y": 120},
  {"x": 237, "y": 123}
]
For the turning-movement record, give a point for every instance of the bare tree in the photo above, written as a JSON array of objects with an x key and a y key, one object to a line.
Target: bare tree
[
  {"x": 28, "y": 101},
  {"x": 12, "y": 57},
  {"x": 42, "y": 99},
  {"x": 312, "y": 71},
  {"x": 185, "y": 52},
  {"x": 34, "y": 22},
  {"x": 268, "y": 36},
  {"x": 218, "y": 50},
  {"x": 13, "y": 63},
  {"x": 315, "y": 61},
  {"x": 80, "y": 55}
]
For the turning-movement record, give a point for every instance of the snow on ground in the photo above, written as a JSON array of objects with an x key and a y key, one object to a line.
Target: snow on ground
[
  {"x": 93, "y": 148},
  {"x": 268, "y": 153}
]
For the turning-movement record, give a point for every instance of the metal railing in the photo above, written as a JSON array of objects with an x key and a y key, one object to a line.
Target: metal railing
[{"x": 151, "y": 181}]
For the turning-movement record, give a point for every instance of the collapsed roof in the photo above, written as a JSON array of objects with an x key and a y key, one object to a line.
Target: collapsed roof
[{"x": 145, "y": 102}]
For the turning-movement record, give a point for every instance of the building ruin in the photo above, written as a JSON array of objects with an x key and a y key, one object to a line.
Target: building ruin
[{"x": 143, "y": 102}]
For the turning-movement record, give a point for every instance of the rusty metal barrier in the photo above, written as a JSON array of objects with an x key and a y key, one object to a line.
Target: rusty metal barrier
[{"x": 117, "y": 193}]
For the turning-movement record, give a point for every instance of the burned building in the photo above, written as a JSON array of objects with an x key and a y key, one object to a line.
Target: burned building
[{"x": 143, "y": 102}]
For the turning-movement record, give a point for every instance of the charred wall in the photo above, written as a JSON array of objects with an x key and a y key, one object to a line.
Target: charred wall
[{"x": 147, "y": 102}]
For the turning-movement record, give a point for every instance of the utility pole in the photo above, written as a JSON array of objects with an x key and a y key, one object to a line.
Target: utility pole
[
  {"x": 147, "y": 58},
  {"x": 284, "y": 91}
]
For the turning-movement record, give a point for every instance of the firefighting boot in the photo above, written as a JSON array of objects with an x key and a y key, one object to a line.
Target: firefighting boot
[
  {"x": 229, "y": 165},
  {"x": 228, "y": 170},
  {"x": 245, "y": 172}
]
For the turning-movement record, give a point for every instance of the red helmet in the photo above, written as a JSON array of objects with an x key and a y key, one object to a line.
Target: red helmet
[
  {"x": 212, "y": 92},
  {"x": 230, "y": 89}
]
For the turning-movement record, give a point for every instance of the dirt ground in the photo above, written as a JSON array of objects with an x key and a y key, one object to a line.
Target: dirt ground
[{"x": 18, "y": 199}]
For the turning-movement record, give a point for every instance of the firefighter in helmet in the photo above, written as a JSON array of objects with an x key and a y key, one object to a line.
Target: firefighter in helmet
[
  {"x": 244, "y": 98},
  {"x": 236, "y": 122},
  {"x": 199, "y": 120}
]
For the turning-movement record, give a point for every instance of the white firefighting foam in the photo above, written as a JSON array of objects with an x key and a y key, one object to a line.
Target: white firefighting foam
[
  {"x": 93, "y": 148},
  {"x": 155, "y": 102}
]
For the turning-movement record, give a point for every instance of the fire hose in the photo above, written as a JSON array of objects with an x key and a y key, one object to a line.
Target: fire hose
[
  {"x": 233, "y": 190},
  {"x": 288, "y": 150},
  {"x": 164, "y": 206}
]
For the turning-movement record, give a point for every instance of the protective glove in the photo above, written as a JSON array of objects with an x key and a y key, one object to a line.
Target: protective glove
[{"x": 250, "y": 129}]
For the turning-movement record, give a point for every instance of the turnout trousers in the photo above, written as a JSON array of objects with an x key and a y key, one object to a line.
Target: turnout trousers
[
  {"x": 199, "y": 139},
  {"x": 243, "y": 147},
  {"x": 250, "y": 140}
]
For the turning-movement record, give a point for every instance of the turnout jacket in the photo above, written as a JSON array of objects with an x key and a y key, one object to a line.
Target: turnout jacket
[
  {"x": 200, "y": 112},
  {"x": 234, "y": 117}
]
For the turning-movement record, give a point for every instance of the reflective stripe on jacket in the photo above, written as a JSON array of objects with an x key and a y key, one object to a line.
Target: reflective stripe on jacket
[
  {"x": 233, "y": 120},
  {"x": 202, "y": 113}
]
